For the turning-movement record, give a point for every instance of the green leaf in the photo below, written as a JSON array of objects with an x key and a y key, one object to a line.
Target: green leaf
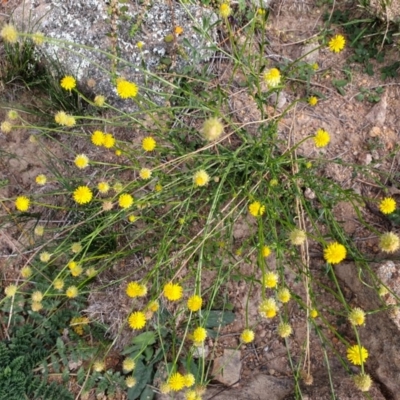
[
  {"x": 147, "y": 394},
  {"x": 360, "y": 97},
  {"x": 340, "y": 82},
  {"x": 219, "y": 318},
  {"x": 142, "y": 374},
  {"x": 145, "y": 339}
]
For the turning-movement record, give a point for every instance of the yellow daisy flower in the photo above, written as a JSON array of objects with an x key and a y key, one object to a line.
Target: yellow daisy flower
[
  {"x": 337, "y": 43},
  {"x": 68, "y": 82}
]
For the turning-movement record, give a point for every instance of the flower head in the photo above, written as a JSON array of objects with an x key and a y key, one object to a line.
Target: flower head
[
  {"x": 10, "y": 290},
  {"x": 173, "y": 291},
  {"x": 199, "y": 335},
  {"x": 99, "y": 365},
  {"x": 97, "y": 138},
  {"x": 312, "y": 101},
  {"x": 313, "y": 313},
  {"x": 81, "y": 161},
  {"x": 283, "y": 295},
  {"x": 272, "y": 77},
  {"x": 22, "y": 203},
  {"x": 13, "y": 115},
  {"x": 6, "y": 127},
  {"x": 357, "y": 316},
  {"x": 335, "y": 253},
  {"x": 321, "y": 138},
  {"x": 44, "y": 256},
  {"x": 76, "y": 247},
  {"x": 271, "y": 279},
  {"x": 68, "y": 82},
  {"x": 336, "y": 44},
  {"x": 247, "y": 336},
  {"x": 76, "y": 270},
  {"x": 125, "y": 200},
  {"x": 148, "y": 143},
  {"x": 284, "y": 330},
  {"x": 37, "y": 296},
  {"x": 140, "y": 45},
  {"x": 176, "y": 382},
  {"x": 158, "y": 187},
  {"x": 145, "y": 173},
  {"x": 9, "y": 33},
  {"x": 266, "y": 251},
  {"x": 99, "y": 100},
  {"x": 130, "y": 381},
  {"x": 389, "y": 242},
  {"x": 72, "y": 292},
  {"x": 212, "y": 129},
  {"x": 153, "y": 306},
  {"x": 136, "y": 289},
  {"x": 128, "y": 364},
  {"x": 38, "y": 38},
  {"x": 387, "y": 205},
  {"x": 103, "y": 187},
  {"x": 268, "y": 308},
  {"x": 297, "y": 237},
  {"x": 126, "y": 89},
  {"x": 36, "y": 306},
  {"x": 137, "y": 320},
  {"x": 225, "y": 10},
  {"x": 58, "y": 284},
  {"x": 201, "y": 178},
  {"x": 178, "y": 30},
  {"x": 39, "y": 230},
  {"x": 26, "y": 272},
  {"x": 194, "y": 303},
  {"x": 189, "y": 380},
  {"x": 82, "y": 195},
  {"x": 362, "y": 382},
  {"x": 41, "y": 179},
  {"x": 357, "y": 355},
  {"x": 256, "y": 209},
  {"x": 109, "y": 141}
]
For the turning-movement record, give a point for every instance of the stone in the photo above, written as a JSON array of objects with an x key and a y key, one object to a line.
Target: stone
[
  {"x": 226, "y": 369},
  {"x": 377, "y": 114},
  {"x": 312, "y": 51}
]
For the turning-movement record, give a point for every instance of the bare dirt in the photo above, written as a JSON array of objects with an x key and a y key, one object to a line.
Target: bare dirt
[{"x": 361, "y": 133}]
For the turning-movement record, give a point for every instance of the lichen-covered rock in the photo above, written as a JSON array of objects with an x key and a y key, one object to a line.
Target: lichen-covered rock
[{"x": 85, "y": 35}]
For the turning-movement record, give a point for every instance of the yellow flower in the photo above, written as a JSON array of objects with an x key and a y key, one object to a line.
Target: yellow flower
[
  {"x": 61, "y": 118},
  {"x": 321, "y": 138},
  {"x": 125, "y": 200},
  {"x": 357, "y": 316},
  {"x": 313, "y": 313},
  {"x": 70, "y": 121},
  {"x": 268, "y": 308},
  {"x": 389, "y": 242},
  {"x": 99, "y": 100},
  {"x": 165, "y": 388},
  {"x": 58, "y": 284},
  {"x": 201, "y": 178},
  {"x": 173, "y": 291},
  {"x": 9, "y": 34},
  {"x": 336, "y": 44},
  {"x": 273, "y": 182},
  {"x": 26, "y": 272},
  {"x": 109, "y": 141},
  {"x": 72, "y": 292},
  {"x": 256, "y": 209},
  {"x": 315, "y": 66},
  {"x": 148, "y": 143},
  {"x": 247, "y": 336},
  {"x": 145, "y": 173},
  {"x": 212, "y": 129},
  {"x": 357, "y": 355},
  {"x": 99, "y": 366},
  {"x": 225, "y": 10},
  {"x": 363, "y": 382},
  {"x": 176, "y": 382},
  {"x": 132, "y": 218},
  {"x": 387, "y": 205},
  {"x": 82, "y": 195},
  {"x": 38, "y": 38},
  {"x": 78, "y": 323},
  {"x": 140, "y": 45},
  {"x": 10, "y": 290},
  {"x": 199, "y": 335},
  {"x": 297, "y": 237},
  {"x": 266, "y": 251},
  {"x": 158, "y": 187},
  {"x": 312, "y": 101},
  {"x": 6, "y": 127},
  {"x": 68, "y": 82},
  {"x": 189, "y": 380},
  {"x": 91, "y": 272},
  {"x": 284, "y": 330},
  {"x": 130, "y": 381},
  {"x": 335, "y": 253},
  {"x": 178, "y": 30},
  {"x": 45, "y": 256},
  {"x": 97, "y": 138},
  {"x": 81, "y": 161},
  {"x": 283, "y": 295},
  {"x": 118, "y": 152},
  {"x": 382, "y": 290},
  {"x": 192, "y": 395},
  {"x": 128, "y": 364},
  {"x": 194, "y": 303},
  {"x": 271, "y": 279},
  {"x": 76, "y": 247},
  {"x": 137, "y": 320},
  {"x": 36, "y": 306},
  {"x": 272, "y": 77},
  {"x": 153, "y": 306},
  {"x": 126, "y": 89},
  {"x": 22, "y": 203},
  {"x": 76, "y": 270},
  {"x": 103, "y": 187},
  {"x": 39, "y": 230},
  {"x": 136, "y": 289},
  {"x": 41, "y": 179}
]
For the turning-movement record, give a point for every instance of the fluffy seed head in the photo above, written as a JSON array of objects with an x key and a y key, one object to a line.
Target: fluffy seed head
[
  {"x": 9, "y": 33},
  {"x": 297, "y": 237},
  {"x": 128, "y": 364},
  {"x": 357, "y": 316},
  {"x": 389, "y": 242},
  {"x": 212, "y": 129},
  {"x": 363, "y": 382},
  {"x": 284, "y": 330},
  {"x": 283, "y": 295}
]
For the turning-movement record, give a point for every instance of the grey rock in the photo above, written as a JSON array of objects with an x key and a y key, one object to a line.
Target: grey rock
[
  {"x": 226, "y": 369},
  {"x": 310, "y": 52}
]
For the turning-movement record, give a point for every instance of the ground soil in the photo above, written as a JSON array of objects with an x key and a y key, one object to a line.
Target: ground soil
[{"x": 361, "y": 133}]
